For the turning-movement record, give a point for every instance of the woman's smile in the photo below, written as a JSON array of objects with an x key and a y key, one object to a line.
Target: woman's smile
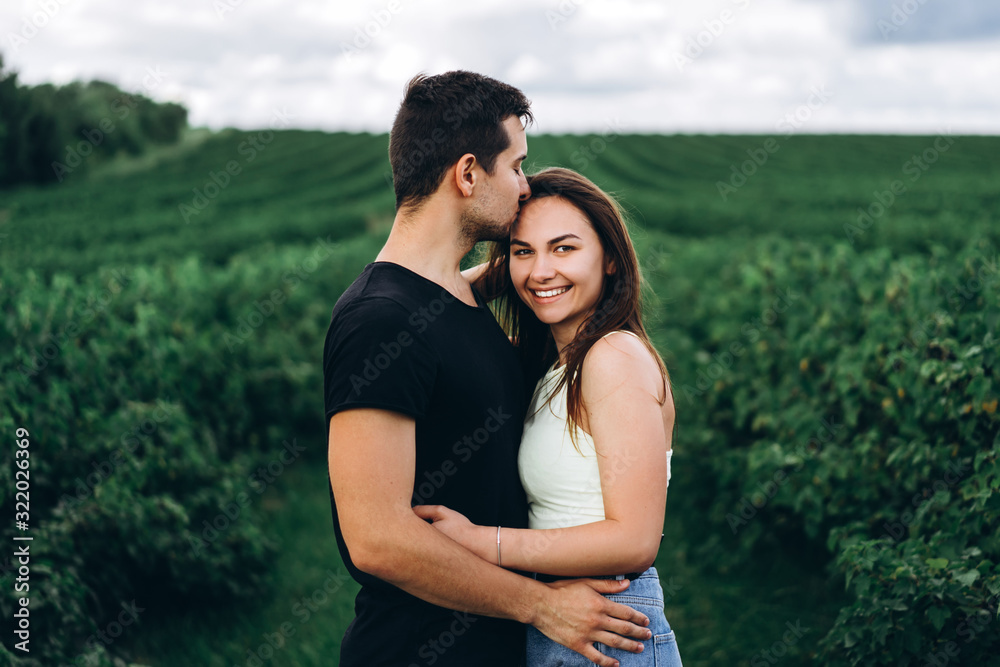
[
  {"x": 557, "y": 264},
  {"x": 550, "y": 295}
]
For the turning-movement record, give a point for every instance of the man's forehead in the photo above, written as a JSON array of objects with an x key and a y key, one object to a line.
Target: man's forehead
[{"x": 518, "y": 137}]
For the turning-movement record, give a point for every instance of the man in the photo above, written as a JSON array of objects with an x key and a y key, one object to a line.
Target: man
[{"x": 425, "y": 404}]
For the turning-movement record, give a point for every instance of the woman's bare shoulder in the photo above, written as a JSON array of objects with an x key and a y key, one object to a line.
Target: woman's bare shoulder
[{"x": 620, "y": 359}]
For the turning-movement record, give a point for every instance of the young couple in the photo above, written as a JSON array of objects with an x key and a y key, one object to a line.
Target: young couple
[{"x": 487, "y": 477}]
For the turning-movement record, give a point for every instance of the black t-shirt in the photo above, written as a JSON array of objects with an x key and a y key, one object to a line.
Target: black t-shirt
[{"x": 398, "y": 341}]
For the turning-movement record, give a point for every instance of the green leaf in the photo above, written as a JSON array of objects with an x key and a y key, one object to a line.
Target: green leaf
[
  {"x": 937, "y": 563},
  {"x": 938, "y": 616},
  {"x": 967, "y": 578}
]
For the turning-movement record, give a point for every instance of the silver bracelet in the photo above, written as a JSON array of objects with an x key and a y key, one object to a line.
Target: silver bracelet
[{"x": 498, "y": 547}]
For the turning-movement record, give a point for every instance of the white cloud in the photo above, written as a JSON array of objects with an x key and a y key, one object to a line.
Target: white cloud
[{"x": 582, "y": 62}]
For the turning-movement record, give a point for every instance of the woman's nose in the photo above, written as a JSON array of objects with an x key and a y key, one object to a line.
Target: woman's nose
[{"x": 542, "y": 269}]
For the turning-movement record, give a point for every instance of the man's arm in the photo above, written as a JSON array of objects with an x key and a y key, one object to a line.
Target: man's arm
[{"x": 372, "y": 461}]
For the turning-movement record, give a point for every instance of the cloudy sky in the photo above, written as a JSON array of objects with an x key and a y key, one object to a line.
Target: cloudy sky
[{"x": 897, "y": 66}]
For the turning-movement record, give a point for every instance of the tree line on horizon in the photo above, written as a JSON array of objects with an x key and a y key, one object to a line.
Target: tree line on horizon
[{"x": 48, "y": 132}]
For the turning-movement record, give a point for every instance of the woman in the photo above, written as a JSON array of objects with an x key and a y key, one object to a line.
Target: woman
[{"x": 595, "y": 452}]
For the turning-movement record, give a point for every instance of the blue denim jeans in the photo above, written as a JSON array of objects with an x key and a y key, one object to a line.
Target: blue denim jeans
[{"x": 643, "y": 594}]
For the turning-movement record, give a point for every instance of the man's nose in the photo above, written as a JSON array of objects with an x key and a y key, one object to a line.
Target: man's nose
[{"x": 525, "y": 189}]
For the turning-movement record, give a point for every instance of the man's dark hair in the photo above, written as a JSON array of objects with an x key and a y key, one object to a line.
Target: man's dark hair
[{"x": 442, "y": 118}]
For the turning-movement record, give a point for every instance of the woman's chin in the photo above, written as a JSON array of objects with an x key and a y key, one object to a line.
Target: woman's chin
[{"x": 540, "y": 316}]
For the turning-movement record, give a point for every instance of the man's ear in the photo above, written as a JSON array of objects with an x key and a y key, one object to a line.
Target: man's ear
[{"x": 465, "y": 175}]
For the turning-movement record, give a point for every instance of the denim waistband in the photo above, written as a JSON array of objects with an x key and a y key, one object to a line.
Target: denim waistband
[{"x": 549, "y": 578}]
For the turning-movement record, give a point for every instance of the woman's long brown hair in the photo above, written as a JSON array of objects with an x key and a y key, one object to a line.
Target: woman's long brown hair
[{"x": 619, "y": 306}]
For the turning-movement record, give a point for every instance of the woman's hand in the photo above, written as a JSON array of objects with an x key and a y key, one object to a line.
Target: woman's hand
[{"x": 454, "y": 525}]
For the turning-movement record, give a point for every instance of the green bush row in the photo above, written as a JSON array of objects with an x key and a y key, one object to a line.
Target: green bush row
[
  {"x": 824, "y": 396},
  {"x": 843, "y": 406},
  {"x": 161, "y": 403},
  {"x": 218, "y": 194}
]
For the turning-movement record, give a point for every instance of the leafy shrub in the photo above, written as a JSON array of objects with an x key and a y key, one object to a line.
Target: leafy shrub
[
  {"x": 848, "y": 402},
  {"x": 152, "y": 395}
]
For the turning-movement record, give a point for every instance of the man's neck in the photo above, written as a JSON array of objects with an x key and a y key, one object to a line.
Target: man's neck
[{"x": 428, "y": 243}]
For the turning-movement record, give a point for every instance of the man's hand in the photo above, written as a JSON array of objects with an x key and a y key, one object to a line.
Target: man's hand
[{"x": 576, "y": 614}]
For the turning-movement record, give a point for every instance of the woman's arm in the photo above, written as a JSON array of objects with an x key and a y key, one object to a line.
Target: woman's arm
[
  {"x": 631, "y": 431},
  {"x": 489, "y": 280},
  {"x": 473, "y": 274}
]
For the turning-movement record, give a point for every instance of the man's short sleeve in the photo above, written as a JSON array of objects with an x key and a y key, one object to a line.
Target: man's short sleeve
[{"x": 372, "y": 358}]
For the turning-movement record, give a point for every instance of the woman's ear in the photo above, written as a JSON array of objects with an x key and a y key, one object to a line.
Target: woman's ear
[{"x": 610, "y": 268}]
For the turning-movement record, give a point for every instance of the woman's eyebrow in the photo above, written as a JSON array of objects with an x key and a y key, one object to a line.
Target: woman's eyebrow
[
  {"x": 552, "y": 242},
  {"x": 563, "y": 238}
]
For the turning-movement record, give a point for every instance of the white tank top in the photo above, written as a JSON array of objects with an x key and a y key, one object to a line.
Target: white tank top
[{"x": 562, "y": 484}]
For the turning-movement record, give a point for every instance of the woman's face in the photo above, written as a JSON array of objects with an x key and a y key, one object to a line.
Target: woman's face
[{"x": 557, "y": 263}]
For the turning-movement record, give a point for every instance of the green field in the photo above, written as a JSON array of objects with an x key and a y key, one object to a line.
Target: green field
[
  {"x": 301, "y": 185},
  {"x": 158, "y": 279}
]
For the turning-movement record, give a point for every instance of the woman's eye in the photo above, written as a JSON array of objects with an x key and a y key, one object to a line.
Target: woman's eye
[
  {"x": 566, "y": 247},
  {"x": 520, "y": 251}
]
